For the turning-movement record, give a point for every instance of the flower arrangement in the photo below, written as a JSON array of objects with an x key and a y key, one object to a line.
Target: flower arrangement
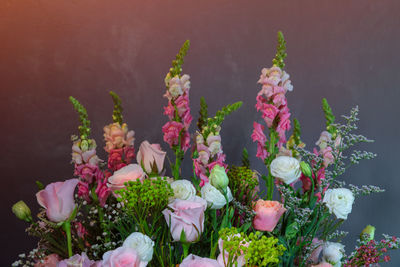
[{"x": 124, "y": 211}]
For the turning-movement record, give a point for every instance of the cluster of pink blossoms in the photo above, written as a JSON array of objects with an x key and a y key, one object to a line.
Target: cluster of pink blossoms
[
  {"x": 326, "y": 152},
  {"x": 272, "y": 103},
  {"x": 178, "y": 111},
  {"x": 86, "y": 164},
  {"x": 119, "y": 145},
  {"x": 210, "y": 153}
]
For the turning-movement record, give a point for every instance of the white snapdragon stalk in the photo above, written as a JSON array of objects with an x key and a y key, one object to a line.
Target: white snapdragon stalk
[
  {"x": 339, "y": 202},
  {"x": 332, "y": 253},
  {"x": 183, "y": 189},
  {"x": 286, "y": 169},
  {"x": 142, "y": 244},
  {"x": 215, "y": 199}
]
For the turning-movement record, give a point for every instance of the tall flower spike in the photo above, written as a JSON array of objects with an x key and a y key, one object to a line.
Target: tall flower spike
[
  {"x": 117, "y": 112},
  {"x": 280, "y": 52},
  {"x": 84, "y": 129}
]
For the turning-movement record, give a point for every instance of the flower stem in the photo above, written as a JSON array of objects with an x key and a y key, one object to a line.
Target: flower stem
[
  {"x": 67, "y": 229},
  {"x": 185, "y": 247}
]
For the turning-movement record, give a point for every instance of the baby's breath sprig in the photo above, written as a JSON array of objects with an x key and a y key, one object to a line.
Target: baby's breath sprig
[
  {"x": 84, "y": 129},
  {"x": 117, "y": 112}
]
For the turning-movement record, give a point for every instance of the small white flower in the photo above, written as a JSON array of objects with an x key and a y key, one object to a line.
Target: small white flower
[
  {"x": 332, "y": 253},
  {"x": 286, "y": 169},
  {"x": 215, "y": 199},
  {"x": 142, "y": 244},
  {"x": 183, "y": 189},
  {"x": 339, "y": 202}
]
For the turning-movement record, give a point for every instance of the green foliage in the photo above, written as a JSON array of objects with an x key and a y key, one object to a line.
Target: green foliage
[
  {"x": 243, "y": 182},
  {"x": 178, "y": 62},
  {"x": 245, "y": 158},
  {"x": 330, "y": 119},
  {"x": 214, "y": 123},
  {"x": 280, "y": 51},
  {"x": 117, "y": 112},
  {"x": 84, "y": 129},
  {"x": 203, "y": 113}
]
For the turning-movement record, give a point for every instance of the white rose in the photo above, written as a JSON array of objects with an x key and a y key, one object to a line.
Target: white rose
[
  {"x": 183, "y": 189},
  {"x": 215, "y": 199},
  {"x": 142, "y": 244},
  {"x": 339, "y": 201},
  {"x": 332, "y": 253},
  {"x": 286, "y": 169}
]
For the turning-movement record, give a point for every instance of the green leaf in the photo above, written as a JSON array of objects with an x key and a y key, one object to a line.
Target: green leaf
[
  {"x": 280, "y": 52},
  {"x": 117, "y": 112},
  {"x": 245, "y": 158},
  {"x": 39, "y": 185}
]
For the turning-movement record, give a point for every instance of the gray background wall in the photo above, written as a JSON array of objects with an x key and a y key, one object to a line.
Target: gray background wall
[{"x": 346, "y": 51}]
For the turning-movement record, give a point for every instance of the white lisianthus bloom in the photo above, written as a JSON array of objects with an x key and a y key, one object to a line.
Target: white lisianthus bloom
[
  {"x": 332, "y": 253},
  {"x": 286, "y": 169},
  {"x": 339, "y": 201},
  {"x": 142, "y": 244},
  {"x": 215, "y": 199},
  {"x": 183, "y": 189}
]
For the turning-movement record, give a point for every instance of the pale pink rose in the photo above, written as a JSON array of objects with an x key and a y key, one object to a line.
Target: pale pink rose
[
  {"x": 187, "y": 216},
  {"x": 77, "y": 260},
  {"x": 151, "y": 155},
  {"x": 323, "y": 264},
  {"x": 49, "y": 261},
  {"x": 268, "y": 214},
  {"x": 131, "y": 172},
  {"x": 122, "y": 257},
  {"x": 58, "y": 200},
  {"x": 196, "y": 261},
  {"x": 171, "y": 132},
  {"x": 117, "y": 136}
]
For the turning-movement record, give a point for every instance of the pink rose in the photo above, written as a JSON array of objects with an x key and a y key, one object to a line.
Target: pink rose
[
  {"x": 196, "y": 261},
  {"x": 58, "y": 200},
  {"x": 150, "y": 156},
  {"x": 77, "y": 260},
  {"x": 117, "y": 136},
  {"x": 122, "y": 257},
  {"x": 268, "y": 214},
  {"x": 171, "y": 132},
  {"x": 131, "y": 172},
  {"x": 187, "y": 216},
  {"x": 49, "y": 261}
]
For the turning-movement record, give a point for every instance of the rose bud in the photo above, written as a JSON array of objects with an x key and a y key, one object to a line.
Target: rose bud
[
  {"x": 218, "y": 178},
  {"x": 22, "y": 211}
]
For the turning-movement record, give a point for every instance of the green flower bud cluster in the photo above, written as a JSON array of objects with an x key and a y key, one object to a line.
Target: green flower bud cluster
[
  {"x": 263, "y": 250},
  {"x": 178, "y": 62},
  {"x": 149, "y": 194},
  {"x": 242, "y": 181},
  {"x": 258, "y": 249}
]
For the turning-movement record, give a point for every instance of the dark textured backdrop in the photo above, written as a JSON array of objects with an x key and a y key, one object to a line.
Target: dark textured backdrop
[{"x": 346, "y": 51}]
